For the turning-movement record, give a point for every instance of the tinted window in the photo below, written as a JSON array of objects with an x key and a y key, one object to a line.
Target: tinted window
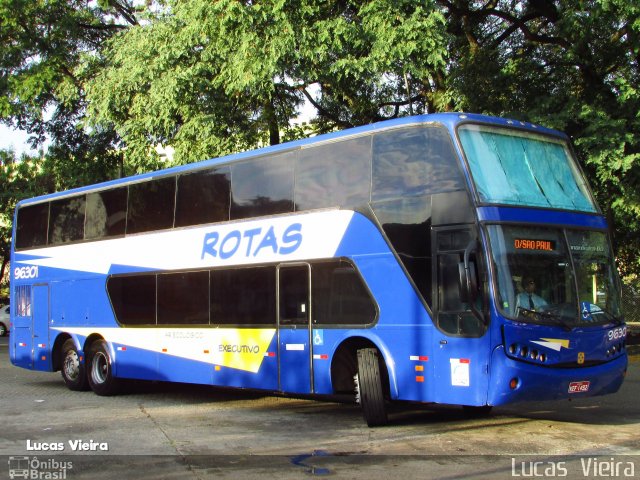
[
  {"x": 334, "y": 175},
  {"x": 244, "y": 296},
  {"x": 454, "y": 312},
  {"x": 66, "y": 220},
  {"x": 22, "y": 301},
  {"x": 133, "y": 299},
  {"x": 414, "y": 161},
  {"x": 448, "y": 283},
  {"x": 339, "y": 295},
  {"x": 294, "y": 295},
  {"x": 32, "y": 226},
  {"x": 407, "y": 224},
  {"x": 453, "y": 240},
  {"x": 203, "y": 197},
  {"x": 150, "y": 205},
  {"x": 263, "y": 186},
  {"x": 183, "y": 298},
  {"x": 106, "y": 214}
]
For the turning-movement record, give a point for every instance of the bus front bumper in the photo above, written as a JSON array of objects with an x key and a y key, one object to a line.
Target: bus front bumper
[{"x": 517, "y": 381}]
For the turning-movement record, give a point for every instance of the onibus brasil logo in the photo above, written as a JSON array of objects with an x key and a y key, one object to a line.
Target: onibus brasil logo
[{"x": 41, "y": 469}]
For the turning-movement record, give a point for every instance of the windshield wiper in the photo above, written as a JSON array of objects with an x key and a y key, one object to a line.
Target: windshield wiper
[{"x": 546, "y": 315}]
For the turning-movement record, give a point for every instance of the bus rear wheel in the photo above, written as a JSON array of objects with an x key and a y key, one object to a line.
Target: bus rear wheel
[
  {"x": 100, "y": 373},
  {"x": 73, "y": 369},
  {"x": 369, "y": 388}
]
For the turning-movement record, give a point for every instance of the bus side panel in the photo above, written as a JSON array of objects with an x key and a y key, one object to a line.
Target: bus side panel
[
  {"x": 20, "y": 340},
  {"x": 324, "y": 344},
  {"x": 408, "y": 362},
  {"x": 176, "y": 369},
  {"x": 76, "y": 303},
  {"x": 405, "y": 326},
  {"x": 40, "y": 329},
  {"x": 461, "y": 370},
  {"x": 220, "y": 356},
  {"x": 135, "y": 363},
  {"x": 427, "y": 364}
]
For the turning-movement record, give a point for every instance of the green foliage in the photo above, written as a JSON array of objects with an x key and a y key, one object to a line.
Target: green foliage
[
  {"x": 573, "y": 65},
  {"x": 216, "y": 77},
  {"x": 45, "y": 61}
]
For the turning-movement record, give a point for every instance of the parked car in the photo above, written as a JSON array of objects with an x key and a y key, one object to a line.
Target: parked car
[{"x": 4, "y": 320}]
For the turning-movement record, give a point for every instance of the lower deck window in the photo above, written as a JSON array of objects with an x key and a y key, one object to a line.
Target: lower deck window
[
  {"x": 244, "y": 296},
  {"x": 23, "y": 301},
  {"x": 340, "y": 296},
  {"x": 134, "y": 299}
]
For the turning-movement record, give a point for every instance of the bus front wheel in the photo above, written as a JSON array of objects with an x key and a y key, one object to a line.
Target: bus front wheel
[
  {"x": 369, "y": 388},
  {"x": 100, "y": 373},
  {"x": 73, "y": 369}
]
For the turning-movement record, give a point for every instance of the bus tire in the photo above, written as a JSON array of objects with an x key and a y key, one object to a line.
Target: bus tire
[
  {"x": 73, "y": 370},
  {"x": 100, "y": 373},
  {"x": 369, "y": 388}
]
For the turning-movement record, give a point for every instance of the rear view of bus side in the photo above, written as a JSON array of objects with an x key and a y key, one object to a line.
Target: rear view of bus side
[{"x": 449, "y": 258}]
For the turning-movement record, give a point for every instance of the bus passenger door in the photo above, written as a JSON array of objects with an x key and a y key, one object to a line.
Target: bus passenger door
[
  {"x": 461, "y": 356},
  {"x": 294, "y": 337},
  {"x": 41, "y": 348}
]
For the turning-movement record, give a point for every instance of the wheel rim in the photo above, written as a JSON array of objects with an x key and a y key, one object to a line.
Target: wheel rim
[
  {"x": 3, "y": 330},
  {"x": 71, "y": 365},
  {"x": 99, "y": 368}
]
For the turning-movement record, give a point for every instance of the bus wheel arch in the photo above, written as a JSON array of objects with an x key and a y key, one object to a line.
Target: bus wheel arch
[
  {"x": 56, "y": 352},
  {"x": 347, "y": 371}
]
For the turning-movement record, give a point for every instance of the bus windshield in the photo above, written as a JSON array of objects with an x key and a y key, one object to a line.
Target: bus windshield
[
  {"x": 511, "y": 167},
  {"x": 554, "y": 276}
]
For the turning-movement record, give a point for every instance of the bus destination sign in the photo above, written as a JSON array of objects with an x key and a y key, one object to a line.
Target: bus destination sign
[{"x": 534, "y": 244}]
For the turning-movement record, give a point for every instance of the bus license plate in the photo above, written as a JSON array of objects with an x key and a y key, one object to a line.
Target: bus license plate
[{"x": 579, "y": 387}]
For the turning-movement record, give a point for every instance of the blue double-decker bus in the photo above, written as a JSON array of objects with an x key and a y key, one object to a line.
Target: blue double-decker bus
[{"x": 449, "y": 258}]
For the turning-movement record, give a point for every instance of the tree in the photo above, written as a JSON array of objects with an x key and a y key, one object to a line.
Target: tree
[
  {"x": 46, "y": 50},
  {"x": 211, "y": 78},
  {"x": 573, "y": 65}
]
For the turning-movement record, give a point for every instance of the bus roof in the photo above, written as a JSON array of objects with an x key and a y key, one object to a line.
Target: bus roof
[{"x": 449, "y": 120}]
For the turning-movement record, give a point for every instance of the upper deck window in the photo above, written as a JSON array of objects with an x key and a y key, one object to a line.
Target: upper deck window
[
  {"x": 106, "y": 214},
  {"x": 66, "y": 220},
  {"x": 32, "y": 226},
  {"x": 414, "y": 161},
  {"x": 263, "y": 186},
  {"x": 150, "y": 205},
  {"x": 203, "y": 197},
  {"x": 511, "y": 167},
  {"x": 336, "y": 174}
]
